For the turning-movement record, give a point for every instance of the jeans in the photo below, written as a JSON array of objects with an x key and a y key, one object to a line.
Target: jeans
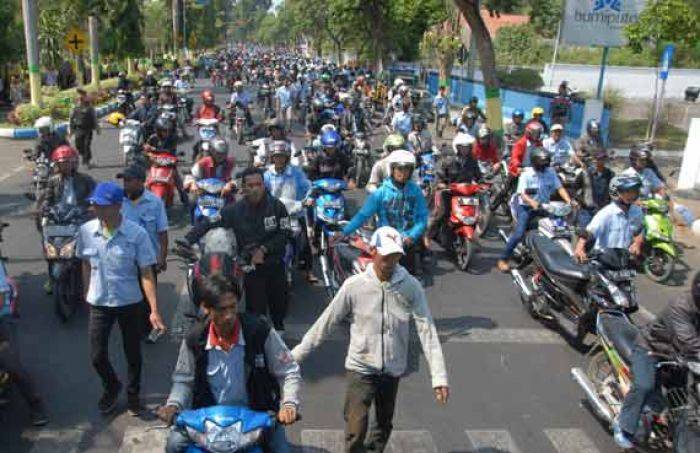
[
  {"x": 178, "y": 442},
  {"x": 130, "y": 320},
  {"x": 362, "y": 391},
  {"x": 585, "y": 215},
  {"x": 266, "y": 289},
  {"x": 523, "y": 214},
  {"x": 11, "y": 364},
  {"x": 643, "y": 369}
]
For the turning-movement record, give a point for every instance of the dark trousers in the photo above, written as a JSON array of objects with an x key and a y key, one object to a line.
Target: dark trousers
[
  {"x": 83, "y": 139},
  {"x": 362, "y": 391},
  {"x": 10, "y": 364},
  {"x": 443, "y": 198},
  {"x": 130, "y": 320},
  {"x": 304, "y": 255},
  {"x": 266, "y": 290},
  {"x": 643, "y": 368}
]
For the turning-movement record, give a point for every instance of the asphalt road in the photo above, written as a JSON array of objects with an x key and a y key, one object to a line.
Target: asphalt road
[{"x": 509, "y": 376}]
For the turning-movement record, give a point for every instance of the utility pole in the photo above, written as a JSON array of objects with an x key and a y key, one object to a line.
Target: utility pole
[
  {"x": 94, "y": 52},
  {"x": 32, "y": 44},
  {"x": 176, "y": 24}
]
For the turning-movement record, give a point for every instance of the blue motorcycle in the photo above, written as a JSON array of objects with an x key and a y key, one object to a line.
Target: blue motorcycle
[
  {"x": 225, "y": 429},
  {"x": 426, "y": 173},
  {"x": 328, "y": 215},
  {"x": 210, "y": 201}
]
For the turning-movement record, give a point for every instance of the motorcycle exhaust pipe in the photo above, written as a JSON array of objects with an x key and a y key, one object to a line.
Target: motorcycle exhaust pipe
[
  {"x": 521, "y": 283},
  {"x": 600, "y": 408}
]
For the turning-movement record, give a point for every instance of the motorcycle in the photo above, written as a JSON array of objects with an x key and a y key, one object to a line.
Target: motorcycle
[
  {"x": 568, "y": 294},
  {"x": 124, "y": 102},
  {"x": 426, "y": 173},
  {"x": 60, "y": 231},
  {"x": 459, "y": 232},
  {"x": 170, "y": 113},
  {"x": 40, "y": 173},
  {"x": 225, "y": 429},
  {"x": 237, "y": 122},
  {"x": 131, "y": 142},
  {"x": 660, "y": 252},
  {"x": 670, "y": 421},
  {"x": 161, "y": 176},
  {"x": 265, "y": 101},
  {"x": 207, "y": 129},
  {"x": 210, "y": 201},
  {"x": 363, "y": 159},
  {"x": 328, "y": 215}
]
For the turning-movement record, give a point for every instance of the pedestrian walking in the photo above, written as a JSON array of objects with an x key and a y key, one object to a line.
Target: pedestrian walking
[
  {"x": 261, "y": 225},
  {"x": 117, "y": 255},
  {"x": 144, "y": 208},
  {"x": 380, "y": 303},
  {"x": 81, "y": 125}
]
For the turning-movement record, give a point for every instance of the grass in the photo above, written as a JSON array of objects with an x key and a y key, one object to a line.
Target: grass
[{"x": 624, "y": 133}]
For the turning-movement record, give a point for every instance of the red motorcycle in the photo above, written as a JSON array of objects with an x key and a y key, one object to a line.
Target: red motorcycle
[
  {"x": 460, "y": 231},
  {"x": 161, "y": 176}
]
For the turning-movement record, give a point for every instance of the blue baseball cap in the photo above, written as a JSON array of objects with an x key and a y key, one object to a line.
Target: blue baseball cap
[{"x": 107, "y": 194}]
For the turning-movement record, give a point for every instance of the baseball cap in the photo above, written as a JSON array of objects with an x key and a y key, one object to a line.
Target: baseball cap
[
  {"x": 133, "y": 172},
  {"x": 556, "y": 127},
  {"x": 387, "y": 241},
  {"x": 107, "y": 194}
]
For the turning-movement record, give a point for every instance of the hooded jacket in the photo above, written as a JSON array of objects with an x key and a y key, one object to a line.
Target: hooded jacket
[
  {"x": 380, "y": 314},
  {"x": 402, "y": 208}
]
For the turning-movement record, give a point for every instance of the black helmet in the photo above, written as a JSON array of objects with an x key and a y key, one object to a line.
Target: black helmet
[
  {"x": 624, "y": 183},
  {"x": 540, "y": 158},
  {"x": 639, "y": 153},
  {"x": 162, "y": 124}
]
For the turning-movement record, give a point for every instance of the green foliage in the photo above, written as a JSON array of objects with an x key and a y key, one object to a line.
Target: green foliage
[
  {"x": 157, "y": 34},
  {"x": 523, "y": 78},
  {"x": 624, "y": 133},
  {"x": 519, "y": 45},
  {"x": 544, "y": 16},
  {"x": 121, "y": 28},
  {"x": 662, "y": 21},
  {"x": 11, "y": 37},
  {"x": 54, "y": 20}
]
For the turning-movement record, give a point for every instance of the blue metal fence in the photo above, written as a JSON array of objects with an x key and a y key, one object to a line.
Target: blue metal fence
[{"x": 461, "y": 89}]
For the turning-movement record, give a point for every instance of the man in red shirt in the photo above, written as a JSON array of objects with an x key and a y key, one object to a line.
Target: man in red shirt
[
  {"x": 520, "y": 156},
  {"x": 208, "y": 110},
  {"x": 485, "y": 149}
]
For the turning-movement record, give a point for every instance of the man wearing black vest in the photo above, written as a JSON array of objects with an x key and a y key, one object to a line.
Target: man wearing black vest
[{"x": 235, "y": 360}]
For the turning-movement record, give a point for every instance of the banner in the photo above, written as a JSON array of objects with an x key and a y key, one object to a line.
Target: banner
[{"x": 599, "y": 22}]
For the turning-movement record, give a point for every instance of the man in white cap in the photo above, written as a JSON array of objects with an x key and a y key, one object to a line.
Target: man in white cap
[
  {"x": 560, "y": 150},
  {"x": 380, "y": 303}
]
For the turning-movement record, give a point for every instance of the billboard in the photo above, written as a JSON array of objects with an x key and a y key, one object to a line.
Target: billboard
[{"x": 599, "y": 22}]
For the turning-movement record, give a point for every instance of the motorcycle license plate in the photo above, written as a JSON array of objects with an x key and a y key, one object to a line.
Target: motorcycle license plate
[
  {"x": 60, "y": 230},
  {"x": 467, "y": 201},
  {"x": 211, "y": 202},
  {"x": 625, "y": 274},
  {"x": 161, "y": 179}
]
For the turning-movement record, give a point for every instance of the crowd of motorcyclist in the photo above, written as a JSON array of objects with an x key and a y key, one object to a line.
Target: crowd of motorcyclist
[{"x": 409, "y": 180}]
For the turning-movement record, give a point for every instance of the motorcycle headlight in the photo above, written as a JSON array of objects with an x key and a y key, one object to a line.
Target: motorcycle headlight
[
  {"x": 224, "y": 439},
  {"x": 68, "y": 250},
  {"x": 50, "y": 250}
]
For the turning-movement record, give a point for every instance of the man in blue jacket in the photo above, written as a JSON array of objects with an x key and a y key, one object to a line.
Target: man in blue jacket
[{"x": 398, "y": 203}]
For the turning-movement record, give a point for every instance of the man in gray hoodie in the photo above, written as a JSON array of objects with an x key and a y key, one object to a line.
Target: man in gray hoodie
[{"x": 380, "y": 303}]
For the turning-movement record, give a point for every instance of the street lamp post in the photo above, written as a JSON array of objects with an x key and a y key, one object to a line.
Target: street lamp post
[{"x": 32, "y": 43}]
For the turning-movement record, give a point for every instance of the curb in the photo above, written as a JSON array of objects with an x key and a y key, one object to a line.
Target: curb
[{"x": 26, "y": 133}]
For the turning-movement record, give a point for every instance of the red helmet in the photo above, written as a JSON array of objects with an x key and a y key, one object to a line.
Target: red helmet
[
  {"x": 63, "y": 153},
  {"x": 207, "y": 95},
  {"x": 534, "y": 130}
]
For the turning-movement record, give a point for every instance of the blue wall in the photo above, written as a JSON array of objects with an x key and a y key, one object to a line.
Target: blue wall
[{"x": 461, "y": 89}]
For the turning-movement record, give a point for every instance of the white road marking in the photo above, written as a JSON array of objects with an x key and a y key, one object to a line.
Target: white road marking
[
  {"x": 492, "y": 441},
  {"x": 570, "y": 441},
  {"x": 53, "y": 440},
  {"x": 11, "y": 173},
  {"x": 322, "y": 440},
  {"x": 412, "y": 441}
]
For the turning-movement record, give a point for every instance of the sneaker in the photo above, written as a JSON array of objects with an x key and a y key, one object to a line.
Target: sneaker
[
  {"x": 109, "y": 400},
  {"x": 621, "y": 438},
  {"x": 133, "y": 405},
  {"x": 38, "y": 415}
]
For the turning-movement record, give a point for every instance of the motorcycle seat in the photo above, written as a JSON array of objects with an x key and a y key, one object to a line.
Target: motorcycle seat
[
  {"x": 620, "y": 332},
  {"x": 555, "y": 259}
]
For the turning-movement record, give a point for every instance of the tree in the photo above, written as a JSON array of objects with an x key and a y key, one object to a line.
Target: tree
[
  {"x": 442, "y": 43},
  {"x": 518, "y": 45},
  {"x": 545, "y": 16},
  {"x": 662, "y": 21},
  {"x": 11, "y": 37},
  {"x": 487, "y": 56}
]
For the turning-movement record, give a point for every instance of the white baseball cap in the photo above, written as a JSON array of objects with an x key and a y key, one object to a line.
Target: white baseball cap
[
  {"x": 556, "y": 127},
  {"x": 387, "y": 241}
]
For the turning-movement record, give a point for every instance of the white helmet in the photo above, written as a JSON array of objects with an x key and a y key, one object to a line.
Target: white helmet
[
  {"x": 238, "y": 84},
  {"x": 327, "y": 128},
  {"x": 166, "y": 83},
  {"x": 401, "y": 158},
  {"x": 149, "y": 72},
  {"x": 44, "y": 122},
  {"x": 403, "y": 89},
  {"x": 462, "y": 139},
  {"x": 398, "y": 81}
]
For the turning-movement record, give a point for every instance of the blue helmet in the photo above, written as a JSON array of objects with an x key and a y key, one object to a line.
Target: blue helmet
[
  {"x": 518, "y": 112},
  {"x": 330, "y": 139}
]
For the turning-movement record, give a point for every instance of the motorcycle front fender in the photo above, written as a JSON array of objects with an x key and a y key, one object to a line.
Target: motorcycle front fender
[{"x": 667, "y": 247}]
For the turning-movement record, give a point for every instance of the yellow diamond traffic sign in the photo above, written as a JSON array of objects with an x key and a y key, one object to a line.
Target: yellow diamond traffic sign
[{"x": 75, "y": 41}]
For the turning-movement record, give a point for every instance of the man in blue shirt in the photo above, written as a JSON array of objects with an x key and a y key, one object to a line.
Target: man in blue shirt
[
  {"x": 117, "y": 255},
  {"x": 284, "y": 104},
  {"x": 442, "y": 110},
  {"x": 619, "y": 224},
  {"x": 535, "y": 187},
  {"x": 639, "y": 165},
  {"x": 402, "y": 122}
]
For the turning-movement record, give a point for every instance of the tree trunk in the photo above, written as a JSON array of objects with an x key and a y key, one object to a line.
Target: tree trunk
[
  {"x": 487, "y": 56},
  {"x": 445, "y": 70}
]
